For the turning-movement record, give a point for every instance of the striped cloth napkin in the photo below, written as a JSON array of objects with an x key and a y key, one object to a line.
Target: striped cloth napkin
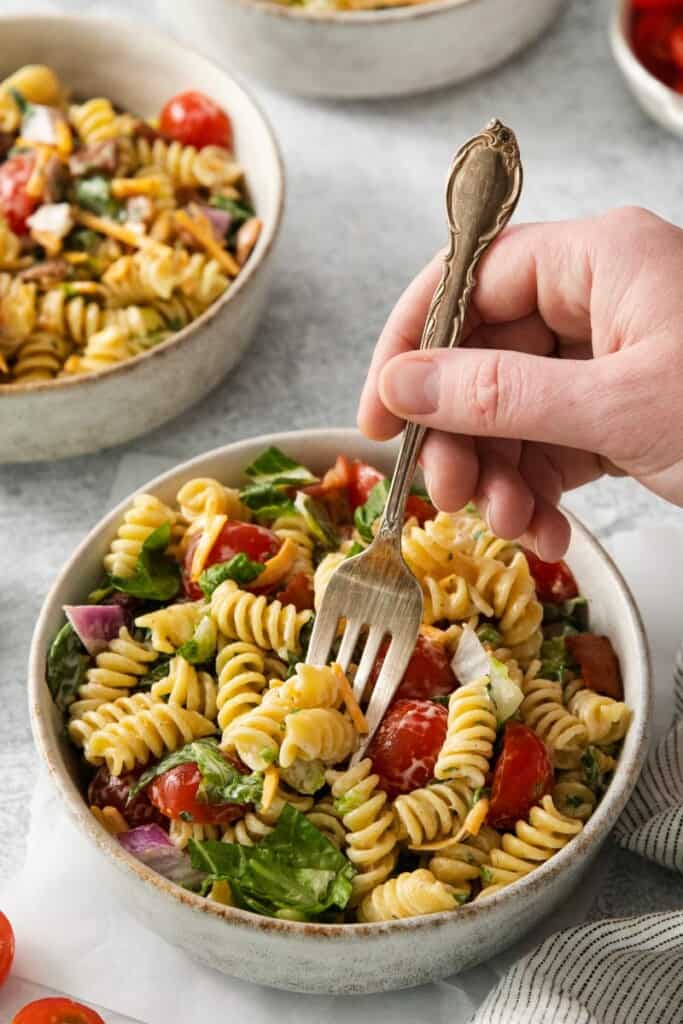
[{"x": 627, "y": 970}]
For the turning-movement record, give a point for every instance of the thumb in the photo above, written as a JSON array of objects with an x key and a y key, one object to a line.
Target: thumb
[{"x": 483, "y": 393}]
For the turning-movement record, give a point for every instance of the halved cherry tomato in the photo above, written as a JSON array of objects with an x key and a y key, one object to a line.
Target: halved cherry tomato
[
  {"x": 175, "y": 794},
  {"x": 677, "y": 47},
  {"x": 555, "y": 582},
  {"x": 56, "y": 1010},
  {"x": 336, "y": 478},
  {"x": 651, "y": 5},
  {"x": 523, "y": 774},
  {"x": 6, "y": 948},
  {"x": 15, "y": 203},
  {"x": 429, "y": 673},
  {"x": 256, "y": 542},
  {"x": 107, "y": 790},
  {"x": 406, "y": 745},
  {"x": 363, "y": 479},
  {"x": 195, "y": 120},
  {"x": 299, "y": 592},
  {"x": 419, "y": 508},
  {"x": 599, "y": 664}
]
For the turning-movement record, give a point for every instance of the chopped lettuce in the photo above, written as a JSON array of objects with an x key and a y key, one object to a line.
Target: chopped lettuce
[
  {"x": 240, "y": 211},
  {"x": 573, "y": 612},
  {"x": 555, "y": 659},
  {"x": 67, "y": 662},
  {"x": 488, "y": 634},
  {"x": 220, "y": 780},
  {"x": 317, "y": 520},
  {"x": 266, "y": 501},
  {"x": 305, "y": 776},
  {"x": 202, "y": 645},
  {"x": 156, "y": 577},
  {"x": 471, "y": 661},
  {"x": 277, "y": 469},
  {"x": 294, "y": 873},
  {"x": 94, "y": 194},
  {"x": 239, "y": 568},
  {"x": 160, "y": 671},
  {"x": 365, "y": 515}
]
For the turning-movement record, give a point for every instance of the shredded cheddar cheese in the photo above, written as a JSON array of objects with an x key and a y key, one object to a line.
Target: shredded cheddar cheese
[
  {"x": 209, "y": 536},
  {"x": 271, "y": 780},
  {"x": 202, "y": 233},
  {"x": 352, "y": 706}
]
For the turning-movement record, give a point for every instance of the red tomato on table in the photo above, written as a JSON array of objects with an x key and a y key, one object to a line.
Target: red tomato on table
[
  {"x": 598, "y": 663},
  {"x": 16, "y": 205},
  {"x": 429, "y": 673},
  {"x": 175, "y": 794},
  {"x": 554, "y": 581},
  {"x": 523, "y": 774},
  {"x": 195, "y": 120},
  {"x": 256, "y": 542},
  {"x": 6, "y": 948},
  {"x": 405, "y": 747},
  {"x": 56, "y": 1010}
]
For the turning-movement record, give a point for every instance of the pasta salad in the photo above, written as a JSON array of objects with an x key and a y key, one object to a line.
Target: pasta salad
[
  {"x": 115, "y": 231},
  {"x": 222, "y": 760}
]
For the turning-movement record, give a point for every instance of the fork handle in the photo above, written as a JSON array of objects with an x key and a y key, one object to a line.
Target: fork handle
[{"x": 482, "y": 190}]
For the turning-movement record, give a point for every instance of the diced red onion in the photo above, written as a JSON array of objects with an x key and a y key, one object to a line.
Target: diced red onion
[
  {"x": 220, "y": 220},
  {"x": 95, "y": 624}
]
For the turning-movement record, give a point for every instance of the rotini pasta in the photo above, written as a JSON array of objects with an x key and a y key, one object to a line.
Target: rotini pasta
[
  {"x": 173, "y": 626},
  {"x": 317, "y": 734},
  {"x": 432, "y": 812},
  {"x": 184, "y": 686},
  {"x": 241, "y": 681},
  {"x": 293, "y": 527},
  {"x": 468, "y": 747},
  {"x": 145, "y": 515},
  {"x": 240, "y": 615},
  {"x": 411, "y": 894},
  {"x": 459, "y": 864},
  {"x": 543, "y": 709},
  {"x": 115, "y": 673},
  {"x": 606, "y": 720}
]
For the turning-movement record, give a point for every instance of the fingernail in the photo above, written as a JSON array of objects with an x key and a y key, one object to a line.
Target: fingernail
[{"x": 410, "y": 387}]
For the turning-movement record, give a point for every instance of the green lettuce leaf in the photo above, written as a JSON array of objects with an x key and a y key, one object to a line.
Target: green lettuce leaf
[
  {"x": 221, "y": 782},
  {"x": 20, "y": 100},
  {"x": 240, "y": 211},
  {"x": 275, "y": 468},
  {"x": 202, "y": 645},
  {"x": 365, "y": 515},
  {"x": 355, "y": 549},
  {"x": 156, "y": 577},
  {"x": 317, "y": 520},
  {"x": 267, "y": 501},
  {"x": 489, "y": 635},
  {"x": 67, "y": 663},
  {"x": 295, "y": 872},
  {"x": 94, "y": 194},
  {"x": 573, "y": 612},
  {"x": 239, "y": 568},
  {"x": 159, "y": 671},
  {"x": 555, "y": 659}
]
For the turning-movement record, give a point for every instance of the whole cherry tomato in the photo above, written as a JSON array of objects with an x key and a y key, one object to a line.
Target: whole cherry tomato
[
  {"x": 16, "y": 204},
  {"x": 256, "y": 542},
  {"x": 419, "y": 508},
  {"x": 175, "y": 794},
  {"x": 56, "y": 1010},
  {"x": 195, "y": 120},
  {"x": 523, "y": 774},
  {"x": 405, "y": 747},
  {"x": 429, "y": 673},
  {"x": 555, "y": 582},
  {"x": 107, "y": 790},
  {"x": 299, "y": 592},
  {"x": 6, "y": 948}
]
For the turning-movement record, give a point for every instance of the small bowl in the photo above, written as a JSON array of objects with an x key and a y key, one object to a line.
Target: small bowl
[
  {"x": 324, "y": 958},
  {"x": 140, "y": 69},
  {"x": 359, "y": 54},
  {"x": 659, "y": 101}
]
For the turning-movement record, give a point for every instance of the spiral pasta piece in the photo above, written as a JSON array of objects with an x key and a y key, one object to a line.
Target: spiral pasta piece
[
  {"x": 312, "y": 686},
  {"x": 533, "y": 842},
  {"x": 460, "y": 864},
  {"x": 17, "y": 307},
  {"x": 187, "y": 688},
  {"x": 240, "y": 615},
  {"x": 543, "y": 711},
  {"x": 82, "y": 729},
  {"x": 513, "y": 596},
  {"x": 202, "y": 496},
  {"x": 256, "y": 825},
  {"x": 209, "y": 167},
  {"x": 256, "y": 735},
  {"x": 432, "y": 812},
  {"x": 202, "y": 280},
  {"x": 40, "y": 357},
  {"x": 606, "y": 720},
  {"x": 10, "y": 246},
  {"x": 411, "y": 894},
  {"x": 321, "y": 577},
  {"x": 293, "y": 527},
  {"x": 241, "y": 681},
  {"x": 368, "y": 818},
  {"x": 145, "y": 515},
  {"x": 180, "y": 832},
  {"x": 172, "y": 626},
  {"x": 572, "y": 796},
  {"x": 449, "y": 598},
  {"x": 104, "y": 349},
  {"x": 470, "y": 735},
  {"x": 116, "y": 671},
  {"x": 94, "y": 120},
  {"x": 151, "y": 273},
  {"x": 326, "y": 819},
  {"x": 150, "y": 732},
  {"x": 317, "y": 734}
]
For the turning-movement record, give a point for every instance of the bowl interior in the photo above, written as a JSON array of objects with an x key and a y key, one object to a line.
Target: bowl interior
[
  {"x": 612, "y": 612},
  {"x": 139, "y": 69}
]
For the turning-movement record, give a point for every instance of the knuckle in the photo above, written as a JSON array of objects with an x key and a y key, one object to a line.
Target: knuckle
[{"x": 492, "y": 391}]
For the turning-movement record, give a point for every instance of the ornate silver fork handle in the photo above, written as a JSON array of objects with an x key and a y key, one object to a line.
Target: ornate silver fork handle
[{"x": 483, "y": 187}]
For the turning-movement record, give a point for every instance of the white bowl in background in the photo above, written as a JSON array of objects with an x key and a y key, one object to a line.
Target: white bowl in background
[
  {"x": 140, "y": 69},
  {"x": 359, "y": 54},
  {"x": 659, "y": 101},
  {"x": 338, "y": 958}
]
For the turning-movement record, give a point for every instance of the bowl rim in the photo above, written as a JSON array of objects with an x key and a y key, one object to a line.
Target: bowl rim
[
  {"x": 371, "y": 16},
  {"x": 271, "y": 228},
  {"x": 626, "y": 58},
  {"x": 585, "y": 844}
]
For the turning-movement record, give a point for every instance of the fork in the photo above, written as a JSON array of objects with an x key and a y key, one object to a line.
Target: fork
[{"x": 374, "y": 591}]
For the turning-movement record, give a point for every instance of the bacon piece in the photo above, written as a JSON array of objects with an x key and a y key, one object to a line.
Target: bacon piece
[{"x": 599, "y": 664}]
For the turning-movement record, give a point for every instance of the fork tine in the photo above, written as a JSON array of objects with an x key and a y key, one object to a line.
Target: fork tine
[
  {"x": 322, "y": 637},
  {"x": 348, "y": 643},
  {"x": 372, "y": 646},
  {"x": 395, "y": 662}
]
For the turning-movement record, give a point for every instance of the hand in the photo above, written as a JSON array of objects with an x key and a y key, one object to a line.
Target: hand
[{"x": 573, "y": 367}]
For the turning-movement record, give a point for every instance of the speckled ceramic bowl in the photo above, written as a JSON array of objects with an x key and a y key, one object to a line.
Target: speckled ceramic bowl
[
  {"x": 358, "y": 54},
  {"x": 659, "y": 101},
  {"x": 339, "y": 958},
  {"x": 140, "y": 69}
]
